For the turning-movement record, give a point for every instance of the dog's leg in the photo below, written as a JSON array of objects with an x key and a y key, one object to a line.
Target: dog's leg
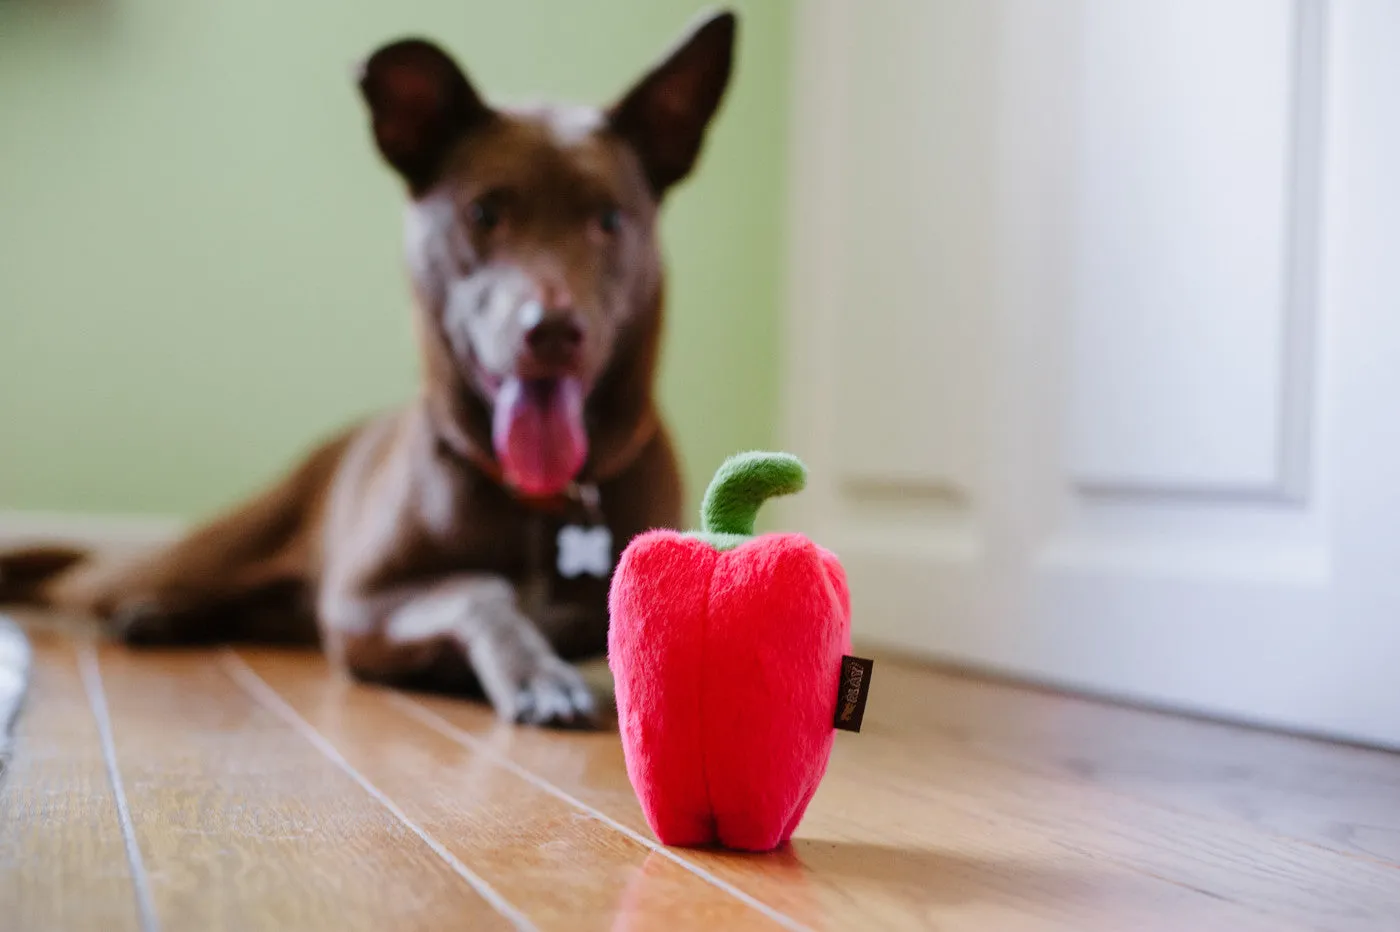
[
  {"x": 396, "y": 635},
  {"x": 242, "y": 576},
  {"x": 210, "y": 586}
]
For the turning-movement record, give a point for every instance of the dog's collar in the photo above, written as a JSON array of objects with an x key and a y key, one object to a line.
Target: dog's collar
[
  {"x": 576, "y": 493},
  {"x": 555, "y": 503}
]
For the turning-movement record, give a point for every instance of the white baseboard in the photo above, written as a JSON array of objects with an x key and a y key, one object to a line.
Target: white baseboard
[{"x": 95, "y": 530}]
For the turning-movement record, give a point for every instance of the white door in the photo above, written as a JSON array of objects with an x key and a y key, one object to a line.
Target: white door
[{"x": 1094, "y": 342}]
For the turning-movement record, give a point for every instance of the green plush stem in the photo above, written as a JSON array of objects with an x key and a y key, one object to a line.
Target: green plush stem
[{"x": 742, "y": 484}]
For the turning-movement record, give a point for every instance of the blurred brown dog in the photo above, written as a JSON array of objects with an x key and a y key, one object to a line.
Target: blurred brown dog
[{"x": 458, "y": 543}]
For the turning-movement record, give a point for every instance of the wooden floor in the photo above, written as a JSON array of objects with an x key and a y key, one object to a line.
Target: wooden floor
[{"x": 253, "y": 789}]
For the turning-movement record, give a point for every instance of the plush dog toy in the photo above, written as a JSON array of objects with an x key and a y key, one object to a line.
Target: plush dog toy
[{"x": 727, "y": 653}]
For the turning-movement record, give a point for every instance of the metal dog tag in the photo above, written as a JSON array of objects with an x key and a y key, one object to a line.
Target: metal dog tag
[{"x": 584, "y": 550}]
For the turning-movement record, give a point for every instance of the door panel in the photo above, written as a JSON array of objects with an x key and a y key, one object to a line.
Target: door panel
[
  {"x": 1182, "y": 120},
  {"x": 1087, "y": 348}
]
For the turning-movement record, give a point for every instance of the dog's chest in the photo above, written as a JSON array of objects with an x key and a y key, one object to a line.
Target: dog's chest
[{"x": 569, "y": 558}]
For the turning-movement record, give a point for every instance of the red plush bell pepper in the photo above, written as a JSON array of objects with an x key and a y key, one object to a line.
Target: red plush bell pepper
[{"x": 726, "y": 650}]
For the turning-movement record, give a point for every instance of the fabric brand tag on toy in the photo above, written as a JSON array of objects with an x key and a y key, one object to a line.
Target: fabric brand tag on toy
[
  {"x": 853, "y": 691},
  {"x": 585, "y": 549}
]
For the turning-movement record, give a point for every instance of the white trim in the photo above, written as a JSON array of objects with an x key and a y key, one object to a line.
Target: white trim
[
  {"x": 817, "y": 148},
  {"x": 26, "y": 527}
]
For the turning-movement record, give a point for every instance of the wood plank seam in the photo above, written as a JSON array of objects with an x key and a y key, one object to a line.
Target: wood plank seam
[
  {"x": 265, "y": 696},
  {"x": 445, "y": 728},
  {"x": 90, "y": 670}
]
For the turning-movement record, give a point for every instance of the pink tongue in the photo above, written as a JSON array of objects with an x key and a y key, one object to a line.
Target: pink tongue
[{"x": 538, "y": 433}]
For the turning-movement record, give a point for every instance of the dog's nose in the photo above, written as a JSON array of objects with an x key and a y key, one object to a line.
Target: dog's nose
[{"x": 556, "y": 338}]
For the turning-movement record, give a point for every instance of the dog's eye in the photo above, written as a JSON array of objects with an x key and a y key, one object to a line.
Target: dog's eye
[
  {"x": 610, "y": 221},
  {"x": 484, "y": 214}
]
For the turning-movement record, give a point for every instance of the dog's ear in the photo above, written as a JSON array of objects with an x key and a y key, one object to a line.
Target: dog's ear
[
  {"x": 665, "y": 114},
  {"x": 420, "y": 103}
]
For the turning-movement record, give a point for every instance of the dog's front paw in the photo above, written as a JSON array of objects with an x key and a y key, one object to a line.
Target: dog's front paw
[
  {"x": 555, "y": 695},
  {"x": 525, "y": 680}
]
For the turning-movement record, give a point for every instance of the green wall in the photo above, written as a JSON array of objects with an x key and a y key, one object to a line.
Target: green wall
[{"x": 199, "y": 252}]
